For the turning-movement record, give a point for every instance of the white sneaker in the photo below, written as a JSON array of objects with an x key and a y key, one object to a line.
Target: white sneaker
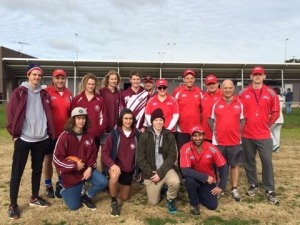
[{"x": 235, "y": 195}]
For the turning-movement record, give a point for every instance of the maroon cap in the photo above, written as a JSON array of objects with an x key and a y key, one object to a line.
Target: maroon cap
[
  {"x": 197, "y": 128},
  {"x": 148, "y": 79},
  {"x": 58, "y": 72},
  {"x": 258, "y": 70},
  {"x": 187, "y": 72},
  {"x": 161, "y": 82},
  {"x": 211, "y": 79}
]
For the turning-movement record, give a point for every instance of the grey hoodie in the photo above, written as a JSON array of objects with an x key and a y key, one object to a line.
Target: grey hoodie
[{"x": 35, "y": 122}]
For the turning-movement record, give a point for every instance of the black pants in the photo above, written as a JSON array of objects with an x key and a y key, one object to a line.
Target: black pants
[{"x": 20, "y": 156}]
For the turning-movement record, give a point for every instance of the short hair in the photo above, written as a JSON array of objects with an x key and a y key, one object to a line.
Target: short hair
[
  {"x": 106, "y": 78},
  {"x": 120, "y": 119},
  {"x": 84, "y": 81},
  {"x": 135, "y": 73}
]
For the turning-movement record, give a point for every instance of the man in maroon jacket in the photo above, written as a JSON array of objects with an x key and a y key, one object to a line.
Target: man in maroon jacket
[{"x": 30, "y": 123}]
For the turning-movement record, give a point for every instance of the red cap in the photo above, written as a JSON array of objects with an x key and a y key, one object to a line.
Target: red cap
[
  {"x": 187, "y": 72},
  {"x": 148, "y": 79},
  {"x": 58, "y": 72},
  {"x": 258, "y": 70},
  {"x": 161, "y": 82},
  {"x": 197, "y": 128},
  {"x": 211, "y": 79}
]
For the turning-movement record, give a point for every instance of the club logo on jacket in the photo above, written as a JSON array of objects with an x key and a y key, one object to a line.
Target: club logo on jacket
[
  {"x": 247, "y": 97},
  {"x": 132, "y": 146},
  {"x": 208, "y": 156},
  {"x": 266, "y": 97},
  {"x": 87, "y": 142},
  {"x": 221, "y": 106},
  {"x": 97, "y": 108}
]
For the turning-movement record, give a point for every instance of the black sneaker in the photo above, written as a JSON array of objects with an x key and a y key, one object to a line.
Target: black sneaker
[
  {"x": 58, "y": 188},
  {"x": 253, "y": 189},
  {"x": 87, "y": 202},
  {"x": 115, "y": 209},
  {"x": 49, "y": 191},
  {"x": 271, "y": 196},
  {"x": 14, "y": 212},
  {"x": 39, "y": 202},
  {"x": 195, "y": 210}
]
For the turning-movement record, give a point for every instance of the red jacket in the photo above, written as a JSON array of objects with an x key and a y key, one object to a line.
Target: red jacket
[
  {"x": 16, "y": 111},
  {"x": 61, "y": 107},
  {"x": 69, "y": 145},
  {"x": 261, "y": 110},
  {"x": 189, "y": 104}
]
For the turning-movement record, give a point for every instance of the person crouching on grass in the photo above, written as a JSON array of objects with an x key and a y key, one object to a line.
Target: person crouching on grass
[
  {"x": 197, "y": 160},
  {"x": 157, "y": 154},
  {"x": 75, "y": 141},
  {"x": 119, "y": 156}
]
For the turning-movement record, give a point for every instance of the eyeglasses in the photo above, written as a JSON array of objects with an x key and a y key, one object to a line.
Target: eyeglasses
[{"x": 162, "y": 87}]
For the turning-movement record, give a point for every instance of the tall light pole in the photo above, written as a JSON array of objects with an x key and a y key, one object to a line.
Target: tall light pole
[
  {"x": 285, "y": 49},
  {"x": 171, "y": 44},
  {"x": 76, "y": 35}
]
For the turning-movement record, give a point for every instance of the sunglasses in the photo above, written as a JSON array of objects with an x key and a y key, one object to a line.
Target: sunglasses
[{"x": 162, "y": 88}]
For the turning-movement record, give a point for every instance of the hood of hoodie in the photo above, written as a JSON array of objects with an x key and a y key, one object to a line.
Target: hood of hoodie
[{"x": 27, "y": 86}]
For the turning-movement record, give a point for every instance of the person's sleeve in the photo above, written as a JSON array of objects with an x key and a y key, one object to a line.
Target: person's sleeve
[
  {"x": 189, "y": 172},
  {"x": 10, "y": 112},
  {"x": 106, "y": 152},
  {"x": 223, "y": 170},
  {"x": 142, "y": 161},
  {"x": 92, "y": 159},
  {"x": 175, "y": 116},
  {"x": 60, "y": 160},
  {"x": 148, "y": 113},
  {"x": 171, "y": 157},
  {"x": 103, "y": 117},
  {"x": 275, "y": 111}
]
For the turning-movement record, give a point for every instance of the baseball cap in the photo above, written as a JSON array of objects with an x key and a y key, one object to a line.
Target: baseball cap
[
  {"x": 196, "y": 128},
  {"x": 34, "y": 67},
  {"x": 211, "y": 79},
  {"x": 78, "y": 111},
  {"x": 258, "y": 70},
  {"x": 161, "y": 82},
  {"x": 148, "y": 79},
  {"x": 58, "y": 72},
  {"x": 189, "y": 71}
]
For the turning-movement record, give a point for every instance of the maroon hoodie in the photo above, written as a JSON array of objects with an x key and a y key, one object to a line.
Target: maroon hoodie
[
  {"x": 112, "y": 106},
  {"x": 126, "y": 151}
]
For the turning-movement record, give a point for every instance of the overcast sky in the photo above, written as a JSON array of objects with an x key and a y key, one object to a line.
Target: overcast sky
[{"x": 139, "y": 30}]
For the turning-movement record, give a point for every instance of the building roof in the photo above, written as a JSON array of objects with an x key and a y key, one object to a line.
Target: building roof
[{"x": 169, "y": 70}]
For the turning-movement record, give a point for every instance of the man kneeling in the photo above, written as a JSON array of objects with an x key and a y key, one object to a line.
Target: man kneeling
[
  {"x": 197, "y": 160},
  {"x": 156, "y": 157}
]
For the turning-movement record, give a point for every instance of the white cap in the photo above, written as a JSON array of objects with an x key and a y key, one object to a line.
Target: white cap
[{"x": 78, "y": 111}]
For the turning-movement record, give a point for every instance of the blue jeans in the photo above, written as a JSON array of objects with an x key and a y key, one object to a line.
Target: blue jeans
[
  {"x": 288, "y": 106},
  {"x": 200, "y": 193},
  {"x": 72, "y": 195}
]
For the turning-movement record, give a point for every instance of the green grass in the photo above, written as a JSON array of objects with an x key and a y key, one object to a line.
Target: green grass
[
  {"x": 2, "y": 116},
  {"x": 216, "y": 220}
]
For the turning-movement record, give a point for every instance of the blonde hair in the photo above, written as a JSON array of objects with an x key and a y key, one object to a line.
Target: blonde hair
[
  {"x": 84, "y": 81},
  {"x": 106, "y": 78}
]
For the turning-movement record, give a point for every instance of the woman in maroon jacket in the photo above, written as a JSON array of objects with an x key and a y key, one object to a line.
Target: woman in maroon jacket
[
  {"x": 119, "y": 156},
  {"x": 75, "y": 159}
]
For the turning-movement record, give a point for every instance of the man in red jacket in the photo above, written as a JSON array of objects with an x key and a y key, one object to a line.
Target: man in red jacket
[
  {"x": 61, "y": 99},
  {"x": 261, "y": 110}
]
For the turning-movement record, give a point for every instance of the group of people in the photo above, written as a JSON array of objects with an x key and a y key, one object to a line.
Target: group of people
[{"x": 105, "y": 137}]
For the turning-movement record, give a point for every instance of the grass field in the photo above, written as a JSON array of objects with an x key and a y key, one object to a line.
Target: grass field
[{"x": 251, "y": 210}]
